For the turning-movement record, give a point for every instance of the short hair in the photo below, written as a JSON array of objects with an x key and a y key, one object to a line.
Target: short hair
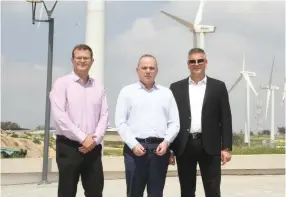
[
  {"x": 196, "y": 50},
  {"x": 82, "y": 47},
  {"x": 147, "y": 55}
]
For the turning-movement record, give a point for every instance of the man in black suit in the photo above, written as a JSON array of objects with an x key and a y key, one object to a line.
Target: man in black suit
[{"x": 205, "y": 135}]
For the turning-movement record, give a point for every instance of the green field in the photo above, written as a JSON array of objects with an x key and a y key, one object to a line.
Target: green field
[{"x": 113, "y": 146}]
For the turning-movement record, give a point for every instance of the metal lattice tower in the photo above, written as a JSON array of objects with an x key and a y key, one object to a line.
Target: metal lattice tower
[{"x": 259, "y": 115}]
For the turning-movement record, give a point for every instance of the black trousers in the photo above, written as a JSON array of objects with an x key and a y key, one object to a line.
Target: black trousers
[
  {"x": 149, "y": 169},
  {"x": 72, "y": 164},
  {"x": 210, "y": 168}
]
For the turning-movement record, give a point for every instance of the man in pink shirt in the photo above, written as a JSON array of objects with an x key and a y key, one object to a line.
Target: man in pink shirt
[{"x": 80, "y": 111}]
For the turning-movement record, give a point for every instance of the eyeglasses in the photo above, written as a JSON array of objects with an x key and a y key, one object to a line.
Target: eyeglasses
[
  {"x": 198, "y": 61},
  {"x": 82, "y": 58}
]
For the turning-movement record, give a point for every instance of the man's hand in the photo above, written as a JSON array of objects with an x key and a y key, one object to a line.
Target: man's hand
[
  {"x": 172, "y": 160},
  {"x": 162, "y": 148},
  {"x": 88, "y": 144},
  {"x": 139, "y": 150},
  {"x": 225, "y": 156}
]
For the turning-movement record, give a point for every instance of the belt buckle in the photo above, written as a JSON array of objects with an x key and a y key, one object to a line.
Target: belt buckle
[{"x": 195, "y": 135}]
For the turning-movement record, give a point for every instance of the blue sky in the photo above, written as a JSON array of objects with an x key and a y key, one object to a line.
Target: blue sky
[{"x": 258, "y": 28}]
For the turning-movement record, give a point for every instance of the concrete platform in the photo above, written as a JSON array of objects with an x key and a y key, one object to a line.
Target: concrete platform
[
  {"x": 231, "y": 186},
  {"x": 28, "y": 170}
]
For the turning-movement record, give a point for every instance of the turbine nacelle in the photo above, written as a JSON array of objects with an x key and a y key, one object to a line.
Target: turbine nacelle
[
  {"x": 271, "y": 87},
  {"x": 250, "y": 74},
  {"x": 203, "y": 29}
]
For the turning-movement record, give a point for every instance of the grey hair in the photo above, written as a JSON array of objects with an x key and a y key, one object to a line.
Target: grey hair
[
  {"x": 196, "y": 50},
  {"x": 147, "y": 55}
]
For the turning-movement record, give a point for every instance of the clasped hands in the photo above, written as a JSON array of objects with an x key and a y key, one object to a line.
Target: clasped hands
[
  {"x": 88, "y": 144},
  {"x": 162, "y": 148}
]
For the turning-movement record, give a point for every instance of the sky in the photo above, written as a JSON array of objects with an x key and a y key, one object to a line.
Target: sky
[{"x": 256, "y": 28}]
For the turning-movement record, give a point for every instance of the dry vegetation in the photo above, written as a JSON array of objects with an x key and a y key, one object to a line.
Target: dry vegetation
[{"x": 33, "y": 142}]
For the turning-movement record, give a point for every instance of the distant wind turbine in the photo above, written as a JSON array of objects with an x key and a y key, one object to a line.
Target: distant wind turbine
[
  {"x": 270, "y": 91},
  {"x": 196, "y": 28},
  {"x": 246, "y": 75}
]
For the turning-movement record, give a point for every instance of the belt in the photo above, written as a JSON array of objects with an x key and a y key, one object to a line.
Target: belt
[
  {"x": 195, "y": 135},
  {"x": 150, "y": 140}
]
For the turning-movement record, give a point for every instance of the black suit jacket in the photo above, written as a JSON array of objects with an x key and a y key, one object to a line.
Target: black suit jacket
[{"x": 216, "y": 117}]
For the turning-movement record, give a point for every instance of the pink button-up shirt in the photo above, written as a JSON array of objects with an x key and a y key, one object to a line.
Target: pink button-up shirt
[{"x": 79, "y": 110}]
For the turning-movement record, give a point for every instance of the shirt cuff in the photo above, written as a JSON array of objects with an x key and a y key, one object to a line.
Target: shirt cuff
[
  {"x": 81, "y": 137},
  {"x": 132, "y": 143}
]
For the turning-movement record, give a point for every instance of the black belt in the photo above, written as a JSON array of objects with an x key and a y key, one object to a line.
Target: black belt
[
  {"x": 196, "y": 135},
  {"x": 150, "y": 140}
]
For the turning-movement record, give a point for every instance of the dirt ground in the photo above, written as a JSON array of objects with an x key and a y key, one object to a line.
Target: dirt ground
[{"x": 34, "y": 150}]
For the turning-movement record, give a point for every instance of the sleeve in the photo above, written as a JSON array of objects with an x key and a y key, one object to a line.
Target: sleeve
[
  {"x": 173, "y": 121},
  {"x": 121, "y": 116},
  {"x": 103, "y": 120},
  {"x": 225, "y": 119}
]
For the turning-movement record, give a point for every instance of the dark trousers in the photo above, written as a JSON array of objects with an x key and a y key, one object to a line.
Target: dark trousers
[
  {"x": 149, "y": 169},
  {"x": 210, "y": 168},
  {"x": 72, "y": 164}
]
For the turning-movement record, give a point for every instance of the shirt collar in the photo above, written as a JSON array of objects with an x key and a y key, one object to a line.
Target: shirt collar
[
  {"x": 203, "y": 81},
  {"x": 141, "y": 85},
  {"x": 76, "y": 78}
]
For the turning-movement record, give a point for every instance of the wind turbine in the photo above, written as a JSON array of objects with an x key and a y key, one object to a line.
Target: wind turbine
[
  {"x": 284, "y": 94},
  {"x": 270, "y": 91},
  {"x": 196, "y": 28},
  {"x": 246, "y": 75}
]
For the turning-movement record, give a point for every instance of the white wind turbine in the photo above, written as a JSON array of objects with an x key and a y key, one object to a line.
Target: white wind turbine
[
  {"x": 198, "y": 29},
  {"x": 284, "y": 94},
  {"x": 246, "y": 75},
  {"x": 270, "y": 91}
]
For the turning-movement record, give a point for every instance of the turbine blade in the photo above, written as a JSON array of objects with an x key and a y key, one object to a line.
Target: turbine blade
[
  {"x": 270, "y": 79},
  {"x": 246, "y": 77},
  {"x": 199, "y": 14},
  {"x": 236, "y": 82},
  {"x": 267, "y": 102},
  {"x": 179, "y": 20},
  {"x": 40, "y": 14}
]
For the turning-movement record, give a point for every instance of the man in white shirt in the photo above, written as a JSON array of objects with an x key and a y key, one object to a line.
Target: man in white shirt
[{"x": 148, "y": 121}]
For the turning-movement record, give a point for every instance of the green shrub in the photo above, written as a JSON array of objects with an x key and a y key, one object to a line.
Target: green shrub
[
  {"x": 37, "y": 141},
  {"x": 114, "y": 144},
  {"x": 113, "y": 152}
]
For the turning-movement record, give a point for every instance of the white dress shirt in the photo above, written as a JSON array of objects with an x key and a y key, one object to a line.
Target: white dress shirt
[
  {"x": 196, "y": 96},
  {"x": 142, "y": 113}
]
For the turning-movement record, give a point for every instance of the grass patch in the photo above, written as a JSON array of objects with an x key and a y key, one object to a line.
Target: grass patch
[
  {"x": 113, "y": 152},
  {"x": 256, "y": 150},
  {"x": 237, "y": 150},
  {"x": 114, "y": 144}
]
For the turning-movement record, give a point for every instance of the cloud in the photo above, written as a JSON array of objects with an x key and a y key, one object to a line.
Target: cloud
[
  {"x": 256, "y": 28},
  {"x": 23, "y": 90}
]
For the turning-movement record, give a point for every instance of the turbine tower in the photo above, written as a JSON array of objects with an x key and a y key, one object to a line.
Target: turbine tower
[
  {"x": 270, "y": 92},
  {"x": 246, "y": 75},
  {"x": 284, "y": 94},
  {"x": 196, "y": 28},
  {"x": 94, "y": 37}
]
